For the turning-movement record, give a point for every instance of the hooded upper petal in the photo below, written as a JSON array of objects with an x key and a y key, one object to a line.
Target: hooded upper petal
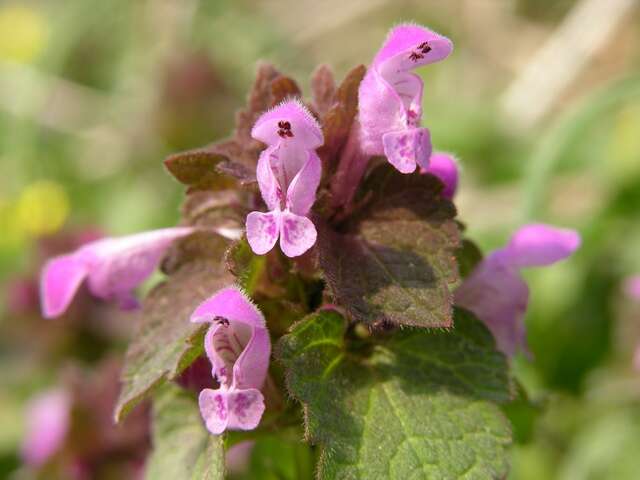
[
  {"x": 230, "y": 303},
  {"x": 406, "y": 39},
  {"x": 289, "y": 121},
  {"x": 390, "y": 95}
]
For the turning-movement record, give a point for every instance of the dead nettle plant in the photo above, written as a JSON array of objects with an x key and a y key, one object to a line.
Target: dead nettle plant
[{"x": 327, "y": 228}]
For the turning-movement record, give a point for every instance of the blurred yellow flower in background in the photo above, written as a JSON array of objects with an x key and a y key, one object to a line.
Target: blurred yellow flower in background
[
  {"x": 42, "y": 208},
  {"x": 23, "y": 33}
]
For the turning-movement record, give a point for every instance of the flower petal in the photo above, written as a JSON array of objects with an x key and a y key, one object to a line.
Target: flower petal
[
  {"x": 498, "y": 296},
  {"x": 245, "y": 409},
  {"x": 303, "y": 126},
  {"x": 214, "y": 409},
  {"x": 61, "y": 278},
  {"x": 250, "y": 369},
  {"x": 286, "y": 161},
  {"x": 444, "y": 166},
  {"x": 407, "y": 39},
  {"x": 47, "y": 425},
  {"x": 230, "y": 303},
  {"x": 538, "y": 245},
  {"x": 237, "y": 343},
  {"x": 267, "y": 181},
  {"x": 119, "y": 265},
  {"x": 231, "y": 409},
  {"x": 223, "y": 345},
  {"x": 297, "y": 234},
  {"x": 263, "y": 230},
  {"x": 632, "y": 287},
  {"x": 405, "y": 149},
  {"x": 302, "y": 190}
]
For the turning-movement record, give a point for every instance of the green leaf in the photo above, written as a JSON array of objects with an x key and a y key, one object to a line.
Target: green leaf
[
  {"x": 245, "y": 265},
  {"x": 468, "y": 256},
  {"x": 182, "y": 447},
  {"x": 420, "y": 404},
  {"x": 197, "y": 168},
  {"x": 396, "y": 260},
  {"x": 166, "y": 342},
  {"x": 279, "y": 456}
]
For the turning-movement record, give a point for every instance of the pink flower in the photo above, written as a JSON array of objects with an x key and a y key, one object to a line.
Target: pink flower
[
  {"x": 238, "y": 347},
  {"x": 632, "y": 287},
  {"x": 113, "y": 268},
  {"x": 237, "y": 458},
  {"x": 288, "y": 174},
  {"x": 496, "y": 293},
  {"x": 47, "y": 425},
  {"x": 445, "y": 167},
  {"x": 390, "y": 97}
]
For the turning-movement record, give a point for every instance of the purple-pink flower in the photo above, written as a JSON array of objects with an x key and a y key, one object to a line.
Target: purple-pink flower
[
  {"x": 288, "y": 173},
  {"x": 445, "y": 167},
  {"x": 47, "y": 417},
  {"x": 112, "y": 267},
  {"x": 390, "y": 97},
  {"x": 238, "y": 346},
  {"x": 632, "y": 287},
  {"x": 495, "y": 291}
]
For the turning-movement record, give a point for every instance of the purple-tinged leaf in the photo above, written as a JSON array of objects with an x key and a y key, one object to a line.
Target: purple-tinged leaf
[
  {"x": 323, "y": 90},
  {"x": 166, "y": 342},
  {"x": 395, "y": 262},
  {"x": 336, "y": 123},
  {"x": 284, "y": 88}
]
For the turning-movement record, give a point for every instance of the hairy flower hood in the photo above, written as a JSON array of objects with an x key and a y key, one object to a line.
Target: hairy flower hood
[
  {"x": 288, "y": 174},
  {"x": 390, "y": 97}
]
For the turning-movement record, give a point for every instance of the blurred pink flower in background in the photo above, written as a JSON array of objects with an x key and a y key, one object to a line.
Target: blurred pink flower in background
[
  {"x": 496, "y": 292},
  {"x": 48, "y": 417}
]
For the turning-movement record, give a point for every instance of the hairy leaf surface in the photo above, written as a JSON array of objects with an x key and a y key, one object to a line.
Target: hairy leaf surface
[
  {"x": 396, "y": 260},
  {"x": 183, "y": 448},
  {"x": 420, "y": 404},
  {"x": 166, "y": 342}
]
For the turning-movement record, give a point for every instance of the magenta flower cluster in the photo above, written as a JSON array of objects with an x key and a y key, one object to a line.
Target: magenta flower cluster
[{"x": 289, "y": 172}]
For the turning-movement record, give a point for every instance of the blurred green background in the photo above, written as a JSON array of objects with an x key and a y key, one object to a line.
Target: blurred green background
[{"x": 540, "y": 101}]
